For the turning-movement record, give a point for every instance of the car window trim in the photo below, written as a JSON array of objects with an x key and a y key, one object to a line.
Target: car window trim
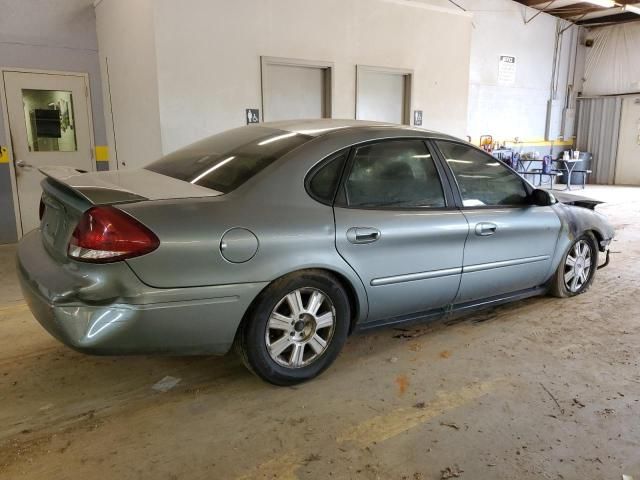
[
  {"x": 456, "y": 187},
  {"x": 341, "y": 198}
]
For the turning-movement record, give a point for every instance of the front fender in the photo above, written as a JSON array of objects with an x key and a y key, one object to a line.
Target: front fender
[{"x": 575, "y": 221}]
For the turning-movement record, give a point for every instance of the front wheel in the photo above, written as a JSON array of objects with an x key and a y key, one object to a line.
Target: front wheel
[
  {"x": 577, "y": 270},
  {"x": 296, "y": 327}
]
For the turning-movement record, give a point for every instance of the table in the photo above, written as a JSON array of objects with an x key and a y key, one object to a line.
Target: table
[{"x": 569, "y": 165}]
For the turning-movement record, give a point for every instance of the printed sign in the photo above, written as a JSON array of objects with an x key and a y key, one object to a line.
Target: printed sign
[
  {"x": 253, "y": 115},
  {"x": 507, "y": 70},
  {"x": 417, "y": 118}
]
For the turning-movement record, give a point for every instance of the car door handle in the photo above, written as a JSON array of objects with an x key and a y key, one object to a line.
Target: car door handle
[
  {"x": 486, "y": 229},
  {"x": 363, "y": 234}
]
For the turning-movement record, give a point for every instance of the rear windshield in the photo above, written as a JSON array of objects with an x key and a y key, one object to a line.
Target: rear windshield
[{"x": 225, "y": 161}]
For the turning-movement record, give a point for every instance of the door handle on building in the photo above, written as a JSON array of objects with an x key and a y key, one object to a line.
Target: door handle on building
[
  {"x": 23, "y": 164},
  {"x": 363, "y": 234},
  {"x": 486, "y": 229}
]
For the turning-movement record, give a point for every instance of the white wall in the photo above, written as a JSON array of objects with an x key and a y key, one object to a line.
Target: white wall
[
  {"x": 519, "y": 110},
  {"x": 127, "y": 46},
  {"x": 208, "y": 54}
]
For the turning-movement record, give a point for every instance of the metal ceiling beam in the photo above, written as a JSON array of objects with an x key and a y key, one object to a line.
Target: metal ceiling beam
[
  {"x": 619, "y": 18},
  {"x": 601, "y": 13},
  {"x": 580, "y": 12}
]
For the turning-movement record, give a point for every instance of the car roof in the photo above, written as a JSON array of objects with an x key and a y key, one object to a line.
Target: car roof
[{"x": 322, "y": 126}]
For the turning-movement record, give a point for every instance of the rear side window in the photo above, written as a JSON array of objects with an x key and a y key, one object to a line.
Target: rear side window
[
  {"x": 225, "y": 161},
  {"x": 324, "y": 182},
  {"x": 394, "y": 174},
  {"x": 482, "y": 179}
]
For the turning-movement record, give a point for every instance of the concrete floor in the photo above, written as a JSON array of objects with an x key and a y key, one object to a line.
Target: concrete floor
[{"x": 543, "y": 388}]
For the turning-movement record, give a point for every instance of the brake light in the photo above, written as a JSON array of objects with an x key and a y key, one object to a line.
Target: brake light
[{"x": 106, "y": 234}]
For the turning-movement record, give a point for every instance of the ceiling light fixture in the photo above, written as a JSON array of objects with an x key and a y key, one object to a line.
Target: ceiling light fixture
[
  {"x": 603, "y": 3},
  {"x": 632, "y": 9}
]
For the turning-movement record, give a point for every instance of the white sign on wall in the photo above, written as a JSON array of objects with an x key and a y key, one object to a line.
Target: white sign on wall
[{"x": 507, "y": 70}]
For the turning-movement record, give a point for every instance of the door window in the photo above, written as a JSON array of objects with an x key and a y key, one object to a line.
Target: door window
[
  {"x": 49, "y": 120},
  {"x": 324, "y": 182},
  {"x": 394, "y": 174},
  {"x": 482, "y": 179}
]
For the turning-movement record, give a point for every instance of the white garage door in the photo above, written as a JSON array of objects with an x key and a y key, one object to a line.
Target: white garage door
[
  {"x": 293, "y": 91},
  {"x": 382, "y": 96}
]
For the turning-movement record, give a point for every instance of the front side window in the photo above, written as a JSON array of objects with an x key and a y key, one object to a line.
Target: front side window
[
  {"x": 396, "y": 174},
  {"x": 225, "y": 161},
  {"x": 483, "y": 180}
]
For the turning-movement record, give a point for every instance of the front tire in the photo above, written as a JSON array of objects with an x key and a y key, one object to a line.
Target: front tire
[
  {"x": 296, "y": 327},
  {"x": 577, "y": 269}
]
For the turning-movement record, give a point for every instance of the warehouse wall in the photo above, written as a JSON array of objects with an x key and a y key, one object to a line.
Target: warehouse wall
[
  {"x": 208, "y": 60},
  {"x": 126, "y": 38},
  {"x": 45, "y": 35},
  {"x": 208, "y": 68},
  {"x": 518, "y": 110},
  {"x": 208, "y": 89},
  {"x": 613, "y": 68}
]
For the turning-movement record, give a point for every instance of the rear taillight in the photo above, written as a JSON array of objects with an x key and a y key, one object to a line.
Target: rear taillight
[{"x": 106, "y": 234}]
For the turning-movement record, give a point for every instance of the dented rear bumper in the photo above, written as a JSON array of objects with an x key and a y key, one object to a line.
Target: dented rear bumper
[{"x": 101, "y": 310}]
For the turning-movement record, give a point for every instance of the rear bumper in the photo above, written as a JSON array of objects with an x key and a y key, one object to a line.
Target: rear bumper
[{"x": 106, "y": 309}]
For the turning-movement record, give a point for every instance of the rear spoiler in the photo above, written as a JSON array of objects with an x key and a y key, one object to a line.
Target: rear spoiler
[
  {"x": 576, "y": 200},
  {"x": 70, "y": 179}
]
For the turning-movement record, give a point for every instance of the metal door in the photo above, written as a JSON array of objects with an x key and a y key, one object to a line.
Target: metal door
[
  {"x": 49, "y": 125},
  {"x": 409, "y": 257}
]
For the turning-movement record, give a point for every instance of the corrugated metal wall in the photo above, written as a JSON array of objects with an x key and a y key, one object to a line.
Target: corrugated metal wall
[{"x": 598, "y": 131}]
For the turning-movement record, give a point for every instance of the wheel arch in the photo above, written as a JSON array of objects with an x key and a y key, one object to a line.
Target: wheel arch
[
  {"x": 357, "y": 297},
  {"x": 599, "y": 238}
]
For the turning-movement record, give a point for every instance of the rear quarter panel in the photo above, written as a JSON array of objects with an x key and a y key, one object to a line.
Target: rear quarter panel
[{"x": 294, "y": 231}]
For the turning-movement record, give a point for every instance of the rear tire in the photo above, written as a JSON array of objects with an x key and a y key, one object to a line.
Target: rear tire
[
  {"x": 577, "y": 269},
  {"x": 296, "y": 328}
]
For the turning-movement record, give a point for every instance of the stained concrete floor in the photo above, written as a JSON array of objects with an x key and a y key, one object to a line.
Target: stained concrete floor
[{"x": 542, "y": 388}]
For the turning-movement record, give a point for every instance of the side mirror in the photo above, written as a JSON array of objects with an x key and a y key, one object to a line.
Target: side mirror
[{"x": 542, "y": 198}]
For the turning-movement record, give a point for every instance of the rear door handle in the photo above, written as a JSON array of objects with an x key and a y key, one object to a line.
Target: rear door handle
[
  {"x": 486, "y": 229},
  {"x": 363, "y": 234}
]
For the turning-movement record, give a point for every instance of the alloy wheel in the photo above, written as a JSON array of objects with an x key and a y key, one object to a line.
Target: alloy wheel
[
  {"x": 577, "y": 267},
  {"x": 300, "y": 327}
]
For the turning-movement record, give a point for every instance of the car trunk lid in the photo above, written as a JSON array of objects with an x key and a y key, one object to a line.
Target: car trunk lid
[
  {"x": 67, "y": 194},
  {"x": 108, "y": 188}
]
